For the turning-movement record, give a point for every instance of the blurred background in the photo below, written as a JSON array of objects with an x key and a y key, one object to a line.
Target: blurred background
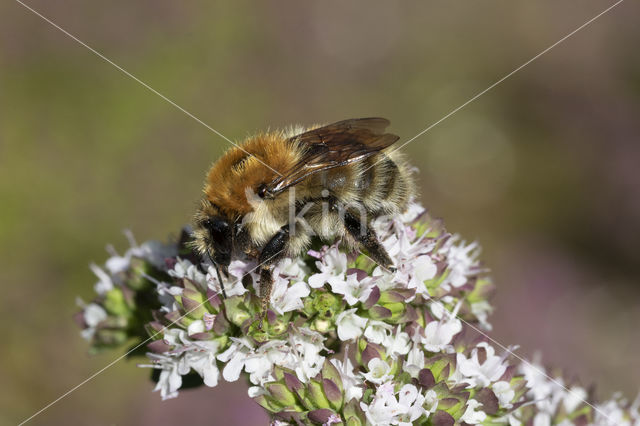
[{"x": 543, "y": 170}]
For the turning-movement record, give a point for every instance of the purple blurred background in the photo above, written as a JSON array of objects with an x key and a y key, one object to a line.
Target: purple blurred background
[{"x": 542, "y": 170}]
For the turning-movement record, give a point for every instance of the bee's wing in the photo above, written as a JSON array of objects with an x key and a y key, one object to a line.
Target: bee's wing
[{"x": 332, "y": 146}]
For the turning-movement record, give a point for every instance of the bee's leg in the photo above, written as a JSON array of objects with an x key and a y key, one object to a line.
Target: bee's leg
[
  {"x": 271, "y": 254},
  {"x": 367, "y": 238},
  {"x": 266, "y": 284}
]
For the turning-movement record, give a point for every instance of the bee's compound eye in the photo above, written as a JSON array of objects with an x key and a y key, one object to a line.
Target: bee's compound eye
[{"x": 262, "y": 190}]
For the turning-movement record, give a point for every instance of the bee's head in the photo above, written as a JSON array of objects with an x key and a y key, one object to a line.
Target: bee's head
[{"x": 212, "y": 234}]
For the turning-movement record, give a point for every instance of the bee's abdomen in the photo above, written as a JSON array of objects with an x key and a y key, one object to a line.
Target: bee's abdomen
[{"x": 385, "y": 184}]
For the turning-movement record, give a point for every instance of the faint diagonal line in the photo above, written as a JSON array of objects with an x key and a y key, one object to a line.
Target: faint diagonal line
[
  {"x": 151, "y": 89},
  {"x": 507, "y": 349},
  {"x": 94, "y": 375},
  {"x": 233, "y": 143},
  {"x": 524, "y": 361},
  {"x": 500, "y": 81}
]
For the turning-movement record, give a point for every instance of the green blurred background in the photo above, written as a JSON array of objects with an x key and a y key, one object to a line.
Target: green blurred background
[{"x": 543, "y": 170}]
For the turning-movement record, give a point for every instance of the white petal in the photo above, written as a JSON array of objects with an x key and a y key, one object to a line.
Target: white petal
[
  {"x": 350, "y": 325},
  {"x": 424, "y": 268},
  {"x": 317, "y": 280},
  {"x": 408, "y": 394},
  {"x": 94, "y": 314},
  {"x": 377, "y": 331},
  {"x": 232, "y": 370},
  {"x": 211, "y": 374},
  {"x": 195, "y": 327},
  {"x": 293, "y": 296}
]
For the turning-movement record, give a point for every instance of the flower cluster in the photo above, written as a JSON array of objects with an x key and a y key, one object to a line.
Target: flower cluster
[{"x": 344, "y": 341}]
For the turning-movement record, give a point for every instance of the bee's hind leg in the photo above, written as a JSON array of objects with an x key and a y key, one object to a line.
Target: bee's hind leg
[
  {"x": 366, "y": 237},
  {"x": 271, "y": 254}
]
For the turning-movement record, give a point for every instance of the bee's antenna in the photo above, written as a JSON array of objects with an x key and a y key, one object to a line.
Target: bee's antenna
[{"x": 224, "y": 293}]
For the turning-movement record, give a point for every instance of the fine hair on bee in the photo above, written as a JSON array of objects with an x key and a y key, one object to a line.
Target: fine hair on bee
[{"x": 269, "y": 198}]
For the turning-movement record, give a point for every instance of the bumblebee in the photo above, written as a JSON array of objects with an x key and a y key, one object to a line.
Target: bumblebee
[{"x": 269, "y": 196}]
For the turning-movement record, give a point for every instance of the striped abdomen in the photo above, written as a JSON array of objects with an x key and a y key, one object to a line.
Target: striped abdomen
[{"x": 385, "y": 184}]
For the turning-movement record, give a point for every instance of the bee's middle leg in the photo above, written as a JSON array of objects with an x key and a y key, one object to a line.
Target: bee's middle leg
[
  {"x": 271, "y": 254},
  {"x": 367, "y": 238}
]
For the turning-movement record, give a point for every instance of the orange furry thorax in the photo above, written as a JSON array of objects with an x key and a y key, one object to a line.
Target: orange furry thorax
[{"x": 255, "y": 163}]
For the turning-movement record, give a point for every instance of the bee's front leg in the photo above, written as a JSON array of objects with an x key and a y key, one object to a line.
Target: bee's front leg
[
  {"x": 367, "y": 238},
  {"x": 271, "y": 254}
]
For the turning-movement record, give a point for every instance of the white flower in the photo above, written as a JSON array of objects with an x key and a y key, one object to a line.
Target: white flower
[
  {"x": 152, "y": 251},
  {"x": 378, "y": 371},
  {"x": 414, "y": 362},
  {"x": 93, "y": 314},
  {"x": 170, "y": 380},
  {"x": 542, "y": 419},
  {"x": 260, "y": 362},
  {"x": 255, "y": 391},
  {"x": 410, "y": 404},
  {"x": 117, "y": 264},
  {"x": 306, "y": 345},
  {"x": 155, "y": 252},
  {"x": 196, "y": 327},
  {"x": 413, "y": 212},
  {"x": 423, "y": 269},
  {"x": 377, "y": 331},
  {"x": 300, "y": 353},
  {"x": 353, "y": 289},
  {"x": 397, "y": 344},
  {"x": 176, "y": 337},
  {"x": 187, "y": 355},
  {"x": 202, "y": 359},
  {"x": 285, "y": 298},
  {"x": 386, "y": 409},
  {"x": 233, "y": 285},
  {"x": 349, "y": 324},
  {"x": 438, "y": 334},
  {"x": 482, "y": 310},
  {"x": 410, "y": 256},
  {"x": 470, "y": 415},
  {"x": 431, "y": 400},
  {"x": 384, "y": 280},
  {"x": 504, "y": 393},
  {"x": 481, "y": 373},
  {"x": 105, "y": 282},
  {"x": 332, "y": 266},
  {"x": 610, "y": 413},
  {"x": 352, "y": 384},
  {"x": 462, "y": 261},
  {"x": 547, "y": 393},
  {"x": 381, "y": 409},
  {"x": 235, "y": 357},
  {"x": 575, "y": 396},
  {"x": 167, "y": 296},
  {"x": 295, "y": 270},
  {"x": 183, "y": 269}
]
